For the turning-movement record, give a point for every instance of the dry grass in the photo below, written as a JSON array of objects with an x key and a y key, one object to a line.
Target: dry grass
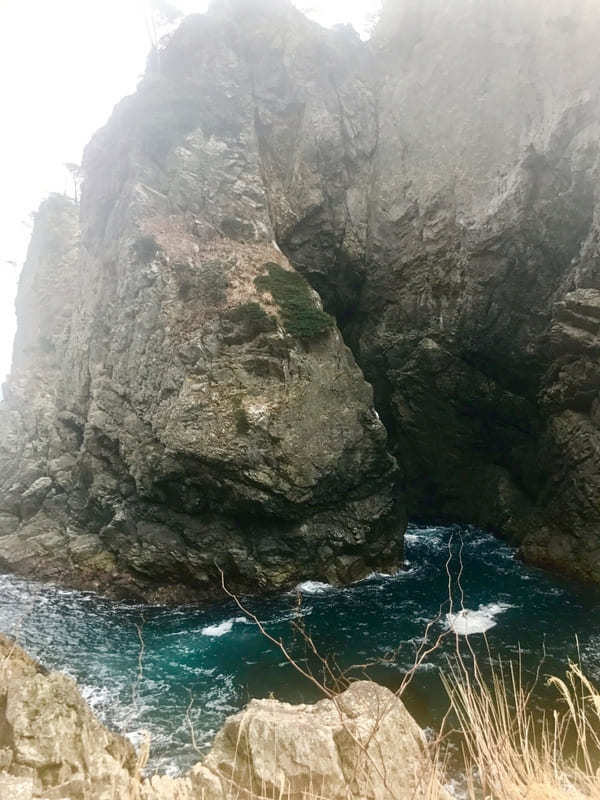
[
  {"x": 241, "y": 262},
  {"x": 511, "y": 750}
]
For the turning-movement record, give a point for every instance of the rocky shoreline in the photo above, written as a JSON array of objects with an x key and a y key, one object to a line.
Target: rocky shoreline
[{"x": 362, "y": 743}]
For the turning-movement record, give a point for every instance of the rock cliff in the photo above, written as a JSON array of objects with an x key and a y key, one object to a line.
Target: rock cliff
[
  {"x": 485, "y": 224},
  {"x": 180, "y": 401}
]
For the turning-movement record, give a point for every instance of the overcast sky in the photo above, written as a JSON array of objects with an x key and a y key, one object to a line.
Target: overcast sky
[{"x": 64, "y": 64}]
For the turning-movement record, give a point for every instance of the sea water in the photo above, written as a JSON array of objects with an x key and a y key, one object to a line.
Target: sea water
[{"x": 176, "y": 673}]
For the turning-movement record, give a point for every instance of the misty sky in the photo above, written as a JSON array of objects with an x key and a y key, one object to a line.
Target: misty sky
[{"x": 64, "y": 64}]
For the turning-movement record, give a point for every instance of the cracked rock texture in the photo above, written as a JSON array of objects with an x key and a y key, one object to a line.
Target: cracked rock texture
[
  {"x": 51, "y": 745},
  {"x": 438, "y": 190}
]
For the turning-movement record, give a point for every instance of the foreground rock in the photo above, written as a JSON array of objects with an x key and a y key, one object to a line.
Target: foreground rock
[
  {"x": 361, "y": 744},
  {"x": 51, "y": 745}
]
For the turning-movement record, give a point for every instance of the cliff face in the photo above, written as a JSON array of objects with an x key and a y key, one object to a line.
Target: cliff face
[
  {"x": 192, "y": 408},
  {"x": 179, "y": 402},
  {"x": 485, "y": 355}
]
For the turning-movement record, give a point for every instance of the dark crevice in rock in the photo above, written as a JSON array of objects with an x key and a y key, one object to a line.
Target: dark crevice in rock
[{"x": 486, "y": 422}]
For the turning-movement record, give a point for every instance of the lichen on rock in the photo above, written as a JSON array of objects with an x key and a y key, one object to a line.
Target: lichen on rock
[{"x": 51, "y": 745}]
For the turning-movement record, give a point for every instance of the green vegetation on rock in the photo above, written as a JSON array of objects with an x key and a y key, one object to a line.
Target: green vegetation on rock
[
  {"x": 291, "y": 292},
  {"x": 145, "y": 249},
  {"x": 254, "y": 318}
]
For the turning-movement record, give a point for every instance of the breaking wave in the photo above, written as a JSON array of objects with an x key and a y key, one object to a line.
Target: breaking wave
[
  {"x": 467, "y": 622},
  {"x": 222, "y": 628}
]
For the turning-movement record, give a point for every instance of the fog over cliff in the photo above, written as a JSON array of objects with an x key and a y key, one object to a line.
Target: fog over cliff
[{"x": 59, "y": 71}]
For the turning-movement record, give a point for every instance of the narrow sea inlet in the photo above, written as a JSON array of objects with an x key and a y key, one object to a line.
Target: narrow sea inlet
[{"x": 170, "y": 670}]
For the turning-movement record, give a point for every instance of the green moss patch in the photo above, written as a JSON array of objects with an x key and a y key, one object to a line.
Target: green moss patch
[
  {"x": 301, "y": 317},
  {"x": 254, "y": 318},
  {"x": 145, "y": 249}
]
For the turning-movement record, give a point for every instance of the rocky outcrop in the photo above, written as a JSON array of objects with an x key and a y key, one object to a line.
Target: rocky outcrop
[
  {"x": 362, "y": 743},
  {"x": 190, "y": 408},
  {"x": 570, "y": 443},
  {"x": 179, "y": 400},
  {"x": 481, "y": 229},
  {"x": 51, "y": 745},
  {"x": 442, "y": 247}
]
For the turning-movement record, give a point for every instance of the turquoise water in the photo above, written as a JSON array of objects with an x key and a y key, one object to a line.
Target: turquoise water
[{"x": 199, "y": 665}]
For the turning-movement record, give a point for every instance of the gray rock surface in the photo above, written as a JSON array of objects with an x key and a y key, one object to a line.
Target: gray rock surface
[
  {"x": 361, "y": 744},
  {"x": 453, "y": 207},
  {"x": 170, "y": 425},
  {"x": 486, "y": 239},
  {"x": 438, "y": 188}
]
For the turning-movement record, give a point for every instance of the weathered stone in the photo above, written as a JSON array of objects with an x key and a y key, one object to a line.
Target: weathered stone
[
  {"x": 362, "y": 743},
  {"x": 154, "y": 489},
  {"x": 15, "y": 788},
  {"x": 58, "y": 749},
  {"x": 32, "y": 498}
]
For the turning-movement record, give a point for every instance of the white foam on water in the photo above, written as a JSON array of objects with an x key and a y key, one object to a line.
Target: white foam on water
[
  {"x": 431, "y": 537},
  {"x": 467, "y": 622},
  {"x": 374, "y": 576},
  {"x": 97, "y": 695},
  {"x": 222, "y": 628},
  {"x": 427, "y": 666},
  {"x": 388, "y": 576},
  {"x": 313, "y": 587},
  {"x": 305, "y": 611},
  {"x": 591, "y": 657}
]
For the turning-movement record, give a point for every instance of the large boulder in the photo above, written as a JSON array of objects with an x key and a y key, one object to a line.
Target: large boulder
[{"x": 361, "y": 744}]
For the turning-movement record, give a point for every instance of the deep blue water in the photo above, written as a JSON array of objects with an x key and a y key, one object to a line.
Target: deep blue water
[{"x": 216, "y": 660}]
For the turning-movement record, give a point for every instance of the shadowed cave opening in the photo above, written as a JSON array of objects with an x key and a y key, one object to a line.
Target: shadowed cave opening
[{"x": 461, "y": 409}]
